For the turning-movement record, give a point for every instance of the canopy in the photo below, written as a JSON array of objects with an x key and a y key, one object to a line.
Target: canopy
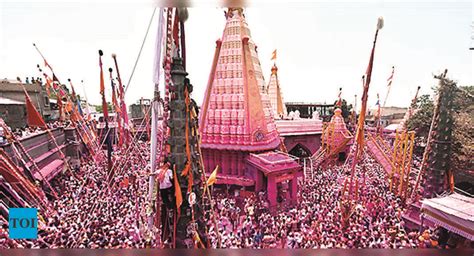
[{"x": 454, "y": 212}]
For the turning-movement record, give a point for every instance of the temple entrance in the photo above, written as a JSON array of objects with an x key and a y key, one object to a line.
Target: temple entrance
[
  {"x": 341, "y": 156},
  {"x": 300, "y": 151}
]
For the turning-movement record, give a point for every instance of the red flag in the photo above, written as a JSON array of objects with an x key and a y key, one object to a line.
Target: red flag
[
  {"x": 34, "y": 118},
  {"x": 176, "y": 30}
]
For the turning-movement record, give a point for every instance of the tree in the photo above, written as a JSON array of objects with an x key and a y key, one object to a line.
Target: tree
[
  {"x": 420, "y": 122},
  {"x": 99, "y": 109},
  {"x": 463, "y": 134},
  {"x": 346, "y": 109}
]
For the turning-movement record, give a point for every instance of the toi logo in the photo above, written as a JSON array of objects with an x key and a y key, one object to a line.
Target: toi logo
[{"x": 23, "y": 223}]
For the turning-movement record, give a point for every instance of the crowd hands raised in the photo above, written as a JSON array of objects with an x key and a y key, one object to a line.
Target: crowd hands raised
[{"x": 89, "y": 214}]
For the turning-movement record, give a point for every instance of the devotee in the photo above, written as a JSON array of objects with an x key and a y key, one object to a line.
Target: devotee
[{"x": 92, "y": 213}]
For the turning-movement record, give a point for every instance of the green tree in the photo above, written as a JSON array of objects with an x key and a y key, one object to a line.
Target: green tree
[
  {"x": 99, "y": 108},
  {"x": 463, "y": 134},
  {"x": 346, "y": 109}
]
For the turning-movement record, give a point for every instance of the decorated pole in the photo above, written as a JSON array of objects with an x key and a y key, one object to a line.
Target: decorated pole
[
  {"x": 106, "y": 114},
  {"x": 123, "y": 106},
  {"x": 35, "y": 119},
  {"x": 155, "y": 105},
  {"x": 378, "y": 117},
  {"x": 360, "y": 127},
  {"x": 59, "y": 93},
  {"x": 359, "y": 138},
  {"x": 436, "y": 161},
  {"x": 189, "y": 221},
  {"x": 389, "y": 85}
]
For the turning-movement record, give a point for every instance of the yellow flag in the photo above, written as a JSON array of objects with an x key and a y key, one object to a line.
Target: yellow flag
[{"x": 213, "y": 177}]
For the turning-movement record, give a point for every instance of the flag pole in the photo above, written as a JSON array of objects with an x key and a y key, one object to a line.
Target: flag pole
[
  {"x": 123, "y": 106},
  {"x": 359, "y": 139},
  {"x": 106, "y": 112},
  {"x": 389, "y": 85},
  {"x": 47, "y": 129}
]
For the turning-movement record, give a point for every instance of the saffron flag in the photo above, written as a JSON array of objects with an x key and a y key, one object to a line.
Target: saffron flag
[
  {"x": 102, "y": 84},
  {"x": 46, "y": 64},
  {"x": 177, "y": 192},
  {"x": 48, "y": 85},
  {"x": 213, "y": 177},
  {"x": 34, "y": 118},
  {"x": 274, "y": 55}
]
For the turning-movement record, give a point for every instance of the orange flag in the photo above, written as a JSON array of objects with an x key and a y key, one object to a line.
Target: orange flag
[
  {"x": 34, "y": 118},
  {"x": 274, "y": 55},
  {"x": 177, "y": 192}
]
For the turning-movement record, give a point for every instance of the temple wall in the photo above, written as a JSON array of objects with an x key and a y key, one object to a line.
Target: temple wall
[{"x": 231, "y": 163}]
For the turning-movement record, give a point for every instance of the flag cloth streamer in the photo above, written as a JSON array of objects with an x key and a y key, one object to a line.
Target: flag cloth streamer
[
  {"x": 389, "y": 86},
  {"x": 177, "y": 192},
  {"x": 34, "y": 118},
  {"x": 274, "y": 55},
  {"x": 213, "y": 177},
  {"x": 390, "y": 79}
]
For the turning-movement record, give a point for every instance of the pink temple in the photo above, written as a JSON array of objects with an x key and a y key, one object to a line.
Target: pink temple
[{"x": 237, "y": 118}]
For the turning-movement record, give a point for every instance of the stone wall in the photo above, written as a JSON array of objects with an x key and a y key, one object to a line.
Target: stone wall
[{"x": 13, "y": 115}]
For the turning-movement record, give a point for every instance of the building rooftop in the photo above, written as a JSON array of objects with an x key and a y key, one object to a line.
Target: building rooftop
[
  {"x": 271, "y": 162},
  {"x": 6, "y": 101}
]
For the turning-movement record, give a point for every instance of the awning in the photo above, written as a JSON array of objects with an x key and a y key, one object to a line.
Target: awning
[{"x": 454, "y": 212}]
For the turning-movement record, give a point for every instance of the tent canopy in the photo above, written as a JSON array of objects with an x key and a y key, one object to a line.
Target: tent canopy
[{"x": 454, "y": 212}]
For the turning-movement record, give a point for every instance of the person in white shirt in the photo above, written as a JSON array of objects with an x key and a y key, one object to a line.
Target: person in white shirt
[{"x": 165, "y": 178}]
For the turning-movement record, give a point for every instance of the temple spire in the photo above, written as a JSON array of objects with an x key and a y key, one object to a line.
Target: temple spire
[
  {"x": 236, "y": 111},
  {"x": 275, "y": 94}
]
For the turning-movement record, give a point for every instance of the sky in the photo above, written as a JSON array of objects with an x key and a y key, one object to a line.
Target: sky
[{"x": 321, "y": 45}]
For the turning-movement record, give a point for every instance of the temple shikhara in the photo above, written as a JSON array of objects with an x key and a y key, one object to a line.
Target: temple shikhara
[
  {"x": 238, "y": 130},
  {"x": 275, "y": 94},
  {"x": 244, "y": 168}
]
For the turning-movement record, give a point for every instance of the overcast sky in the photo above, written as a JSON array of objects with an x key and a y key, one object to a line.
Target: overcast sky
[{"x": 321, "y": 45}]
